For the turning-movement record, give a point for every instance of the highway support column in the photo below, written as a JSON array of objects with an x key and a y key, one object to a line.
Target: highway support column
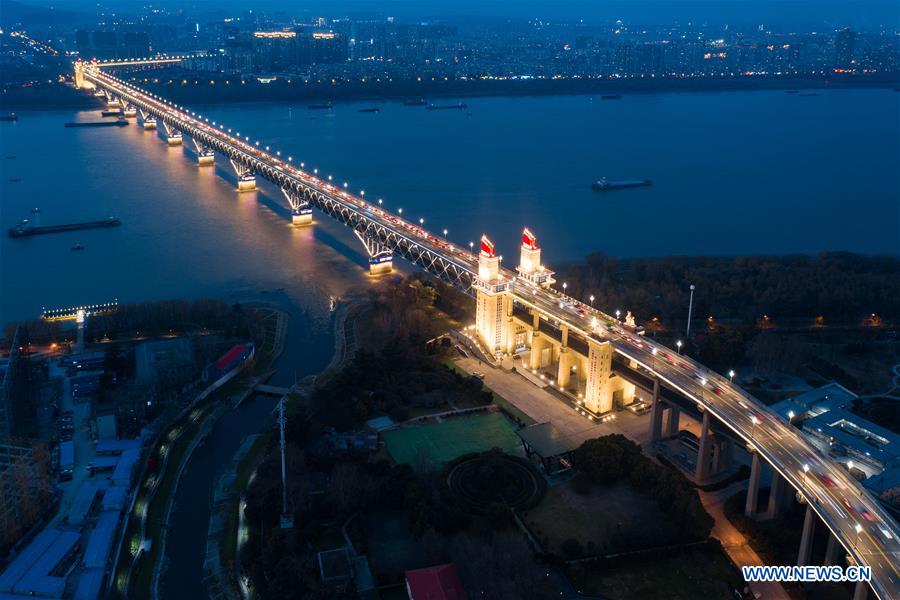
[
  {"x": 753, "y": 487},
  {"x": 806, "y": 538},
  {"x": 656, "y": 413}
]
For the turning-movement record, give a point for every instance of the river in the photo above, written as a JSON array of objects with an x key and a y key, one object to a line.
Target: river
[{"x": 734, "y": 173}]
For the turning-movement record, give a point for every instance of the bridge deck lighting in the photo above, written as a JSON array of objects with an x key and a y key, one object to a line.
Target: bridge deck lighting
[
  {"x": 806, "y": 468},
  {"x": 421, "y": 221},
  {"x": 345, "y": 185},
  {"x": 790, "y": 414},
  {"x": 858, "y": 528},
  {"x": 678, "y": 343},
  {"x": 445, "y": 233},
  {"x": 399, "y": 211},
  {"x": 654, "y": 351}
]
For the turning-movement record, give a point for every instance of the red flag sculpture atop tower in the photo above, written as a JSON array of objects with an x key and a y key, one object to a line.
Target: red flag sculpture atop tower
[
  {"x": 487, "y": 246},
  {"x": 529, "y": 240}
]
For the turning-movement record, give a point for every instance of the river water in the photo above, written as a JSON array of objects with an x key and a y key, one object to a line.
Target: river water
[{"x": 737, "y": 172}]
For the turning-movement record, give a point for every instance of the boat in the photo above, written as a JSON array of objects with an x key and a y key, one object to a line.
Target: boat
[
  {"x": 116, "y": 123},
  {"x": 77, "y": 247},
  {"x": 9, "y": 117},
  {"x": 327, "y": 106},
  {"x": 25, "y": 228},
  {"x": 419, "y": 102},
  {"x": 110, "y": 113},
  {"x": 445, "y": 106},
  {"x": 369, "y": 110},
  {"x": 611, "y": 97},
  {"x": 791, "y": 92},
  {"x": 15, "y": 180},
  {"x": 605, "y": 185}
]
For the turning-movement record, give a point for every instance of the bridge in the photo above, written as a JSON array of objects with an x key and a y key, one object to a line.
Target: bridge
[{"x": 593, "y": 357}]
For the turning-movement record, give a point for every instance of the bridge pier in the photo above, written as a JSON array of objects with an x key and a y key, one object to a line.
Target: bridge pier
[
  {"x": 147, "y": 120},
  {"x": 779, "y": 496},
  {"x": 129, "y": 111},
  {"x": 753, "y": 487},
  {"x": 205, "y": 155},
  {"x": 301, "y": 213},
  {"x": 246, "y": 179},
  {"x": 564, "y": 369},
  {"x": 381, "y": 259},
  {"x": 674, "y": 423},
  {"x": 806, "y": 538},
  {"x": 701, "y": 472},
  {"x": 656, "y": 413},
  {"x": 172, "y": 135}
]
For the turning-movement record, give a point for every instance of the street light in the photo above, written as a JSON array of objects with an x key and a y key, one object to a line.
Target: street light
[
  {"x": 565, "y": 285},
  {"x": 421, "y": 221},
  {"x": 618, "y": 313},
  {"x": 592, "y": 301},
  {"x": 445, "y": 233},
  {"x": 471, "y": 246},
  {"x": 399, "y": 211},
  {"x": 731, "y": 375},
  {"x": 690, "y": 308},
  {"x": 678, "y": 343}
]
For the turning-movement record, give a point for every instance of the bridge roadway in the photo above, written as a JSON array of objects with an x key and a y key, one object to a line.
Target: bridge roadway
[{"x": 865, "y": 530}]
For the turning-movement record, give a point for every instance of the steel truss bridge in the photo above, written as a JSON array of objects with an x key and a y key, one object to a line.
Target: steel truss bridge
[{"x": 864, "y": 529}]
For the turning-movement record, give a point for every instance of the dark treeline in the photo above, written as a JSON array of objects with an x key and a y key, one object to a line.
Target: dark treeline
[
  {"x": 839, "y": 286},
  {"x": 149, "y": 319},
  {"x": 612, "y": 458}
]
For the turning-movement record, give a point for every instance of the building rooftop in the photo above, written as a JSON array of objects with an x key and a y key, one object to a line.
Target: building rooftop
[
  {"x": 854, "y": 432},
  {"x": 546, "y": 440},
  {"x": 435, "y": 583}
]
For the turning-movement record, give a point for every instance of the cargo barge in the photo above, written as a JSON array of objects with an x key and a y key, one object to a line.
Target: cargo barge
[
  {"x": 604, "y": 185},
  {"x": 369, "y": 110},
  {"x": 117, "y": 123},
  {"x": 446, "y": 106},
  {"x": 24, "y": 229},
  {"x": 327, "y": 106}
]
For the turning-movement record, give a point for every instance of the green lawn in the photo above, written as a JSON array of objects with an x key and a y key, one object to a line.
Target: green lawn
[{"x": 434, "y": 444}]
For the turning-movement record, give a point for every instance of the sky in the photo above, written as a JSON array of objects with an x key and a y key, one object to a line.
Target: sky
[{"x": 769, "y": 12}]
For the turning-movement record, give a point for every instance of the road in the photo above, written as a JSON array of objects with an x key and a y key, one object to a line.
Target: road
[{"x": 863, "y": 527}]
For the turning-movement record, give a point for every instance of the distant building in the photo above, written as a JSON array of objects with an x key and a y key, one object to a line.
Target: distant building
[
  {"x": 25, "y": 488},
  {"x": 168, "y": 362},
  {"x": 844, "y": 45},
  {"x": 435, "y": 583},
  {"x": 870, "y": 452}
]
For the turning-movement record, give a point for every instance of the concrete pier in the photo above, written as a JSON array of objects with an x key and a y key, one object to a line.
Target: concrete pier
[
  {"x": 301, "y": 217},
  {"x": 247, "y": 183}
]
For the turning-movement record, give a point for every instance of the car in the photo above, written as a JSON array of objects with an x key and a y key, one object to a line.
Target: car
[
  {"x": 865, "y": 514},
  {"x": 827, "y": 481},
  {"x": 717, "y": 391}
]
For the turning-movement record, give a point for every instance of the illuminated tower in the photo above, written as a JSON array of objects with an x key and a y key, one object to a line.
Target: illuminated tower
[
  {"x": 493, "y": 304},
  {"x": 530, "y": 267}
]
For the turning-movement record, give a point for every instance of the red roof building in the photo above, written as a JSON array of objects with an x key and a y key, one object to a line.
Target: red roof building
[{"x": 435, "y": 583}]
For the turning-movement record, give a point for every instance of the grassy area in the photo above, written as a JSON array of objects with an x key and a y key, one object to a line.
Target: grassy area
[
  {"x": 498, "y": 399},
  {"x": 703, "y": 573},
  {"x": 434, "y": 444},
  {"x": 601, "y": 520}
]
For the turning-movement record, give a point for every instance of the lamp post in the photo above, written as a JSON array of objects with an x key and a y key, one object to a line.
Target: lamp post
[
  {"x": 678, "y": 343},
  {"x": 618, "y": 313},
  {"x": 687, "y": 334},
  {"x": 592, "y": 301},
  {"x": 565, "y": 285},
  {"x": 731, "y": 375}
]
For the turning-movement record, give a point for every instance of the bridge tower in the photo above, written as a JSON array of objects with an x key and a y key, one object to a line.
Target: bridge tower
[
  {"x": 530, "y": 267},
  {"x": 80, "y": 82},
  {"x": 381, "y": 259},
  {"x": 598, "y": 395},
  {"x": 246, "y": 179},
  {"x": 493, "y": 303},
  {"x": 301, "y": 213}
]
